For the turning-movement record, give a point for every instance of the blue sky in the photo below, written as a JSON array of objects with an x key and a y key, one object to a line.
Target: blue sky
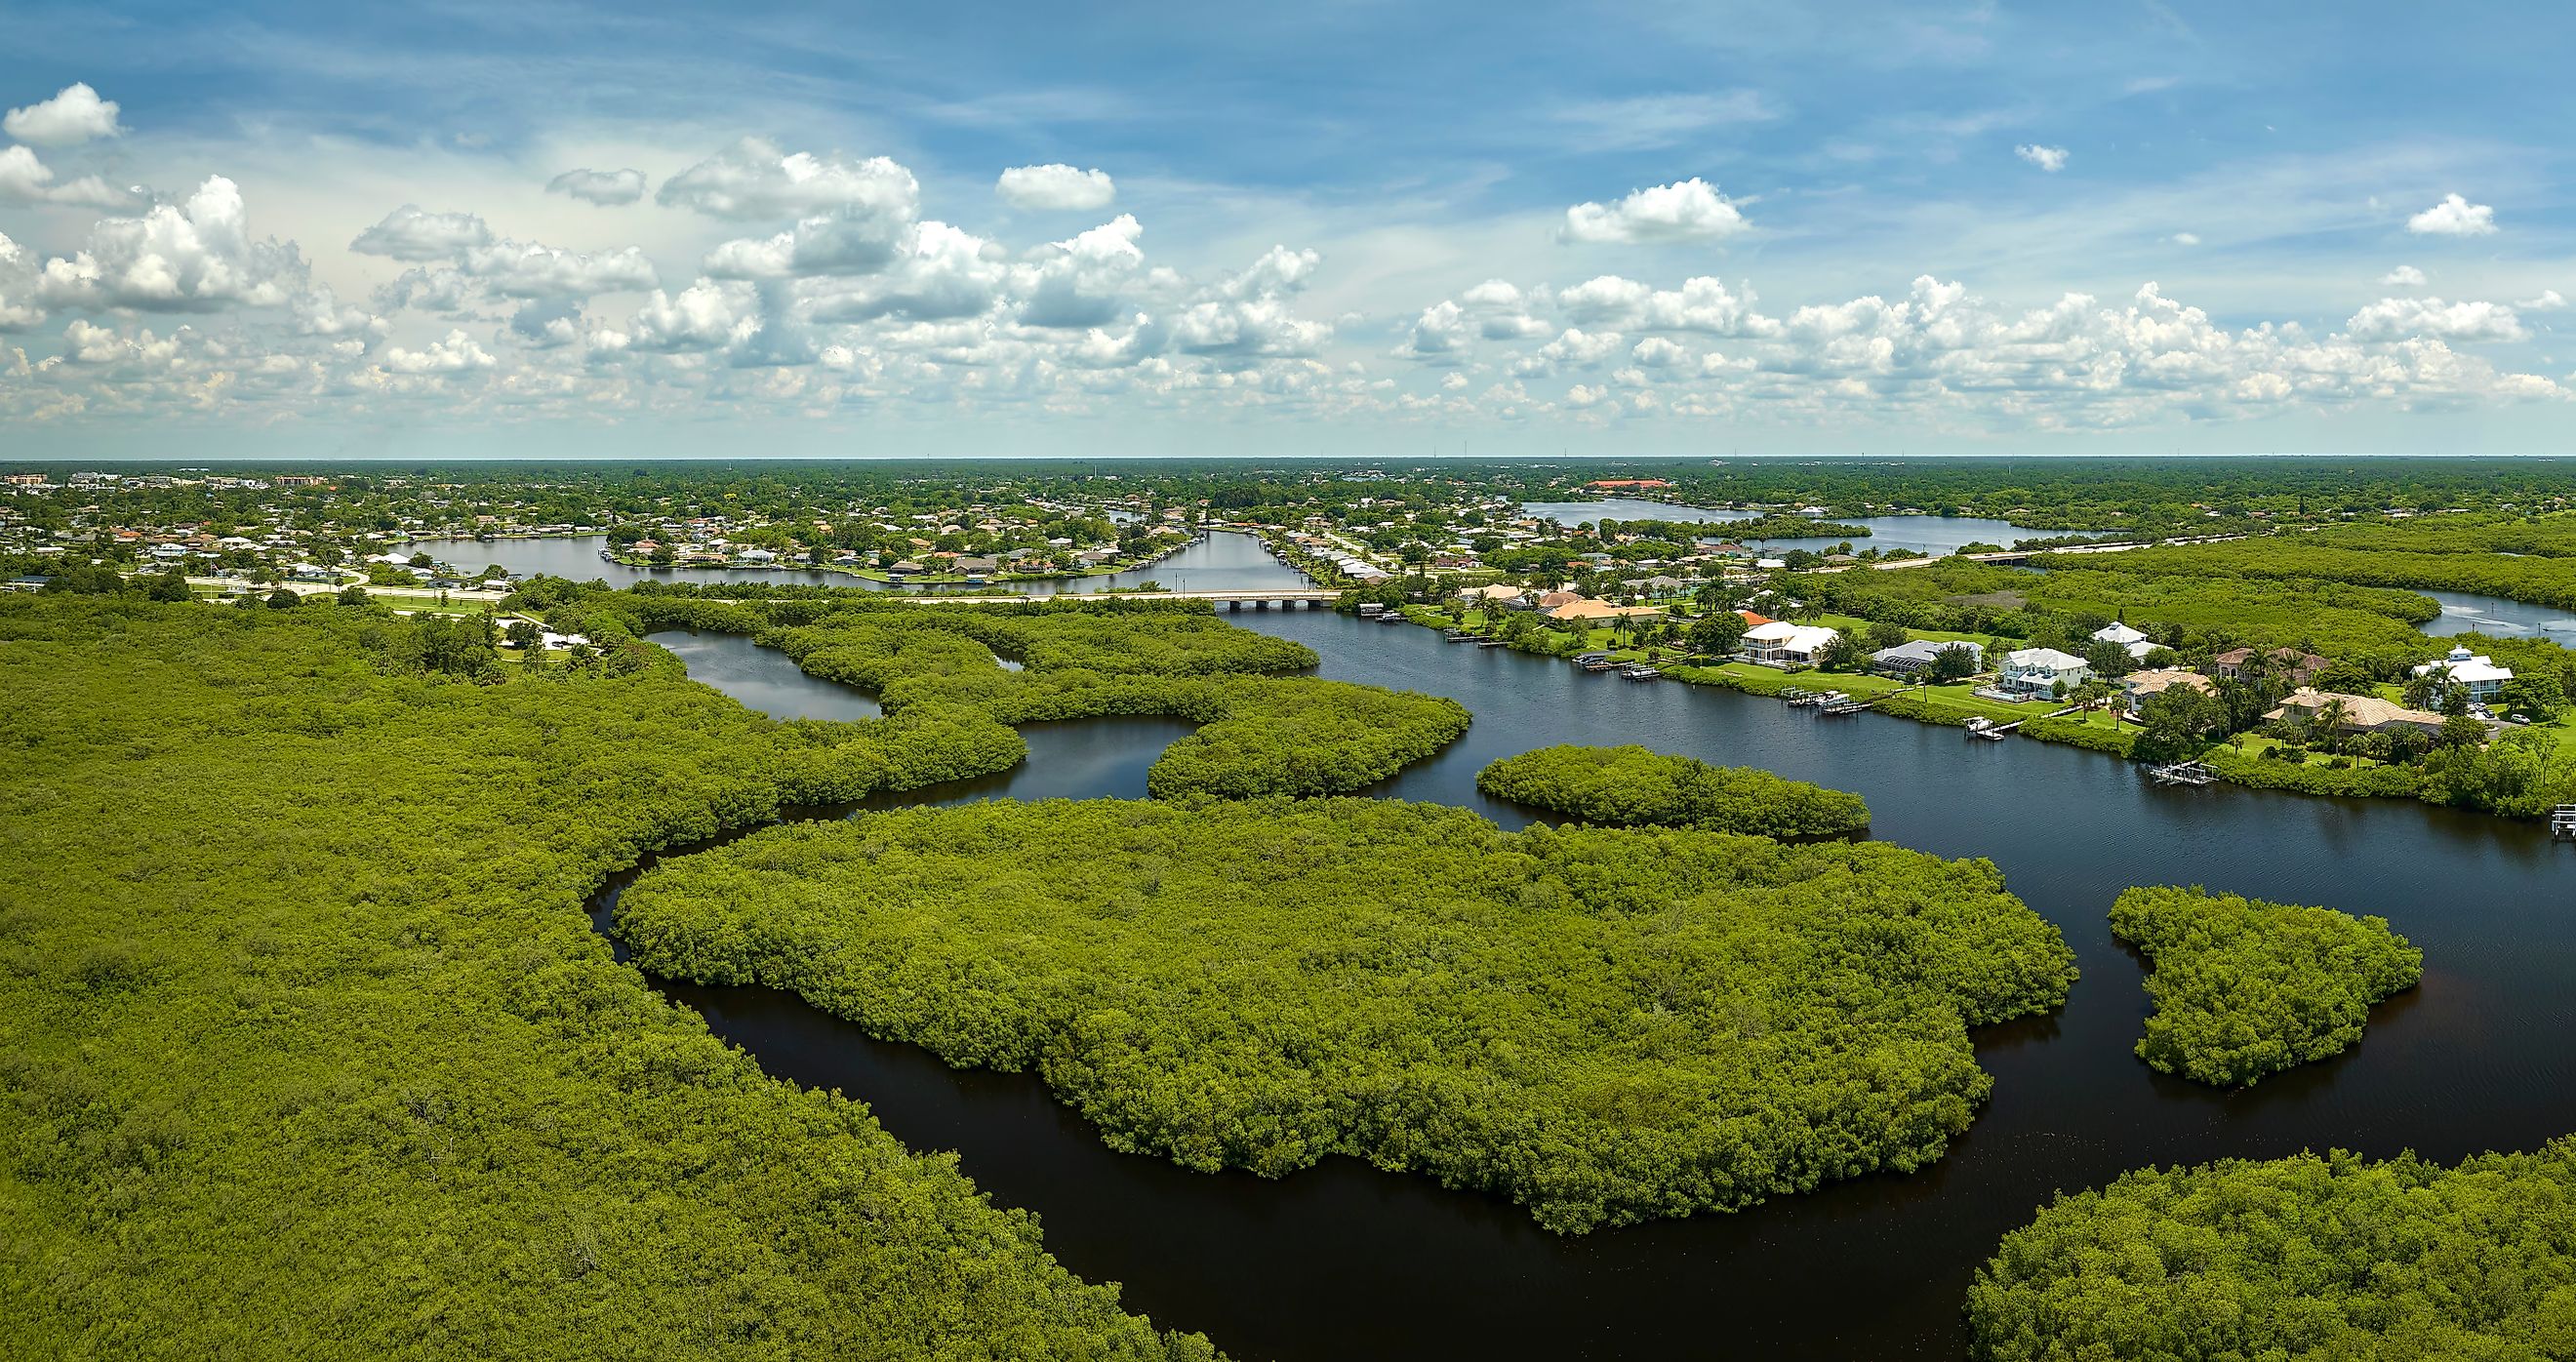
[{"x": 1373, "y": 229}]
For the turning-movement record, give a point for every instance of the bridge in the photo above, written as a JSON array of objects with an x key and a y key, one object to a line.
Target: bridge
[{"x": 1312, "y": 598}]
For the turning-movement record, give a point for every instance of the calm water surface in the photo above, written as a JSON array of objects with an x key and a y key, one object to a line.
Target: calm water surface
[
  {"x": 1223, "y": 560},
  {"x": 2496, "y": 617},
  {"x": 1342, "y": 1261},
  {"x": 1938, "y": 535}
]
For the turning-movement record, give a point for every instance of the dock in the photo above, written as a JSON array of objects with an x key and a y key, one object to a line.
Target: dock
[
  {"x": 2182, "y": 773},
  {"x": 1640, "y": 673},
  {"x": 2562, "y": 821}
]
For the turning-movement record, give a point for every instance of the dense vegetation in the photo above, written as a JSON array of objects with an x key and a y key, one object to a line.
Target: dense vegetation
[
  {"x": 1608, "y": 1025},
  {"x": 2524, "y": 559},
  {"x": 2244, "y": 988},
  {"x": 2307, "y": 1257},
  {"x": 306, "y": 1048},
  {"x": 1632, "y": 786},
  {"x": 1260, "y": 733}
]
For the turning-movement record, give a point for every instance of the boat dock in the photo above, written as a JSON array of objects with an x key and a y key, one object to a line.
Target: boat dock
[
  {"x": 2562, "y": 821},
  {"x": 2182, "y": 773}
]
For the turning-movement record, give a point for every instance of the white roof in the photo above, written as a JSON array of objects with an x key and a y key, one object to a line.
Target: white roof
[
  {"x": 2468, "y": 669},
  {"x": 2048, "y": 658},
  {"x": 1803, "y": 637},
  {"x": 2116, "y": 632}
]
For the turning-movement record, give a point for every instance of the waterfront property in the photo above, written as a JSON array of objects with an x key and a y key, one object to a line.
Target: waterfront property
[
  {"x": 1782, "y": 643},
  {"x": 2308, "y": 709},
  {"x": 2039, "y": 673},
  {"x": 2140, "y": 687},
  {"x": 2475, "y": 673},
  {"x": 1907, "y": 658}
]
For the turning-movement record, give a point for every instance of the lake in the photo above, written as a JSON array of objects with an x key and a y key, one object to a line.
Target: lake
[
  {"x": 1937, "y": 535},
  {"x": 1343, "y": 1261},
  {"x": 1219, "y": 560}
]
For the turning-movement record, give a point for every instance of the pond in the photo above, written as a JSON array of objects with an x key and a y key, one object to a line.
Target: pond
[
  {"x": 1342, "y": 1261},
  {"x": 1219, "y": 560},
  {"x": 1937, "y": 535}
]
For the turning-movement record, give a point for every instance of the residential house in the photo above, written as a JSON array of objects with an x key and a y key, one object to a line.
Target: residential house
[
  {"x": 1496, "y": 596},
  {"x": 2475, "y": 673},
  {"x": 1785, "y": 644},
  {"x": 2128, "y": 639},
  {"x": 2141, "y": 687},
  {"x": 1588, "y": 610},
  {"x": 2299, "y": 668},
  {"x": 1905, "y": 659},
  {"x": 2042, "y": 672},
  {"x": 2361, "y": 713}
]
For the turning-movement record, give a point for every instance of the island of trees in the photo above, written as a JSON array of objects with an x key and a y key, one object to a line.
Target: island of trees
[
  {"x": 1634, "y": 786},
  {"x": 2245, "y": 988},
  {"x": 1607, "y": 1025}
]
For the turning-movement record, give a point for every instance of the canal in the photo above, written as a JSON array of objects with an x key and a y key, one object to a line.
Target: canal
[{"x": 1342, "y": 1261}]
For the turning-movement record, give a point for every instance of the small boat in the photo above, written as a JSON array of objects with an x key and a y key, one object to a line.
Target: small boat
[
  {"x": 1640, "y": 673},
  {"x": 1455, "y": 636},
  {"x": 2182, "y": 773},
  {"x": 2562, "y": 821},
  {"x": 1390, "y": 617}
]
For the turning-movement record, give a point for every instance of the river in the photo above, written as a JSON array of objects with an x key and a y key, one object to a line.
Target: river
[
  {"x": 1220, "y": 560},
  {"x": 1937, "y": 535},
  {"x": 1342, "y": 1261},
  {"x": 2496, "y": 617}
]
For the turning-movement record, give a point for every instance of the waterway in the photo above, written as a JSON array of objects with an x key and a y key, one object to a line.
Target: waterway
[
  {"x": 1220, "y": 560},
  {"x": 1938, "y": 535},
  {"x": 2496, "y": 617},
  {"x": 1342, "y": 1261}
]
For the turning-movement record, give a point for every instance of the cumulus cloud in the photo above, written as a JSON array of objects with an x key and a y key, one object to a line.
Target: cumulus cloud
[
  {"x": 526, "y": 269},
  {"x": 70, "y": 118},
  {"x": 18, "y": 310},
  {"x": 456, "y": 353},
  {"x": 705, "y": 315},
  {"x": 2548, "y": 301},
  {"x": 27, "y": 180},
  {"x": 941, "y": 273},
  {"x": 196, "y": 256},
  {"x": 1056, "y": 189},
  {"x": 752, "y": 180},
  {"x": 408, "y": 233},
  {"x": 2396, "y": 318},
  {"x": 1685, "y": 210},
  {"x": 2404, "y": 276},
  {"x": 2185, "y": 238},
  {"x": 2050, "y": 159},
  {"x": 607, "y": 188},
  {"x": 2453, "y": 216},
  {"x": 1078, "y": 282}
]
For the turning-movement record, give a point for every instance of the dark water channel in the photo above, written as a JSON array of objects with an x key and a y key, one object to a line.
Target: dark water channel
[
  {"x": 1345, "y": 1262},
  {"x": 1220, "y": 560}
]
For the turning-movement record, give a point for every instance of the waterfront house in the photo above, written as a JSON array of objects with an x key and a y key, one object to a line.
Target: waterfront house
[
  {"x": 2130, "y": 640},
  {"x": 2361, "y": 713},
  {"x": 1786, "y": 644},
  {"x": 1496, "y": 596},
  {"x": 2475, "y": 673},
  {"x": 1905, "y": 659},
  {"x": 1589, "y": 611},
  {"x": 2042, "y": 672},
  {"x": 2141, "y": 687}
]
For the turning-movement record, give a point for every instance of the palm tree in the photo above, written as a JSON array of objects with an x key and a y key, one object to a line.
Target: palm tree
[{"x": 2330, "y": 717}]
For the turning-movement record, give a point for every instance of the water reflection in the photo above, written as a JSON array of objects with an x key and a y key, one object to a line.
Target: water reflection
[{"x": 1342, "y": 1261}]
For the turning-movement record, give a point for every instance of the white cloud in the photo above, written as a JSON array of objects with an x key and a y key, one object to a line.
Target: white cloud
[
  {"x": 2548, "y": 301},
  {"x": 18, "y": 310},
  {"x": 2396, "y": 318},
  {"x": 2185, "y": 238},
  {"x": 1685, "y": 210},
  {"x": 1080, "y": 283},
  {"x": 941, "y": 273},
  {"x": 191, "y": 257},
  {"x": 752, "y": 180},
  {"x": 857, "y": 244},
  {"x": 25, "y": 179},
  {"x": 2454, "y": 216},
  {"x": 408, "y": 233},
  {"x": 704, "y": 316},
  {"x": 2050, "y": 159},
  {"x": 2404, "y": 276},
  {"x": 75, "y": 116},
  {"x": 526, "y": 269},
  {"x": 607, "y": 188},
  {"x": 455, "y": 354},
  {"x": 1056, "y": 188}
]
